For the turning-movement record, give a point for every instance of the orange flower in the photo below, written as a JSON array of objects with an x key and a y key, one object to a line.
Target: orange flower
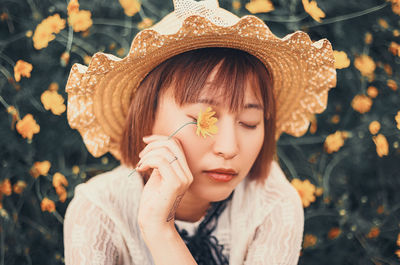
[
  {"x": 397, "y": 252},
  {"x": 305, "y": 189},
  {"x": 314, "y": 125},
  {"x": 397, "y": 118},
  {"x": 361, "y": 103},
  {"x": 313, "y": 10},
  {"x": 388, "y": 69},
  {"x": 372, "y": 92},
  {"x": 396, "y": 33},
  {"x": 22, "y": 68},
  {"x": 374, "y": 127},
  {"x": 334, "y": 232},
  {"x": 341, "y": 59},
  {"x": 27, "y": 127},
  {"x": 81, "y": 20},
  {"x": 368, "y": 38},
  {"x": 5, "y": 187},
  {"x": 40, "y": 168},
  {"x": 334, "y": 142},
  {"x": 73, "y": 7},
  {"x": 131, "y": 7},
  {"x": 44, "y": 32},
  {"x": 259, "y": 6},
  {"x": 374, "y": 232},
  {"x": 87, "y": 59},
  {"x": 53, "y": 101},
  {"x": 62, "y": 193},
  {"x": 395, "y": 6},
  {"x": 14, "y": 114},
  {"x": 145, "y": 23},
  {"x": 398, "y": 240},
  {"x": 309, "y": 240},
  {"x": 64, "y": 58},
  {"x": 206, "y": 123},
  {"x": 319, "y": 191},
  {"x": 392, "y": 84},
  {"x": 59, "y": 180},
  {"x": 47, "y": 205},
  {"x": 365, "y": 65},
  {"x": 19, "y": 187},
  {"x": 382, "y": 146},
  {"x": 236, "y": 5},
  {"x": 335, "y": 119},
  {"x": 383, "y": 23}
]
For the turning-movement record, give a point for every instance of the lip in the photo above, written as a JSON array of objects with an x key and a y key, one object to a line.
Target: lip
[
  {"x": 223, "y": 171},
  {"x": 221, "y": 174}
]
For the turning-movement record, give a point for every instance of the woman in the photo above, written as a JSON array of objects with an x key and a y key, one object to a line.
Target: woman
[{"x": 178, "y": 197}]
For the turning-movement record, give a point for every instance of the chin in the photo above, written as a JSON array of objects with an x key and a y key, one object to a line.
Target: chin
[{"x": 212, "y": 194}]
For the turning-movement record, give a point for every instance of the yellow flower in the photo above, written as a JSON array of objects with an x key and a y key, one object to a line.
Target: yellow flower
[
  {"x": 372, "y": 92},
  {"x": 44, "y": 32},
  {"x": 206, "y": 123},
  {"x": 40, "y": 168},
  {"x": 314, "y": 125},
  {"x": 334, "y": 142},
  {"x": 236, "y": 5},
  {"x": 81, "y": 20},
  {"x": 334, "y": 232},
  {"x": 5, "y": 187},
  {"x": 75, "y": 170},
  {"x": 313, "y": 10},
  {"x": 365, "y": 65},
  {"x": 398, "y": 240},
  {"x": 374, "y": 127},
  {"x": 397, "y": 118},
  {"x": 259, "y": 6},
  {"x": 368, "y": 38},
  {"x": 361, "y": 103},
  {"x": 382, "y": 146},
  {"x": 383, "y": 23},
  {"x": 64, "y": 59},
  {"x": 59, "y": 181},
  {"x": 305, "y": 189},
  {"x": 131, "y": 7},
  {"x": 47, "y": 205},
  {"x": 86, "y": 59},
  {"x": 396, "y": 33},
  {"x": 53, "y": 101},
  {"x": 19, "y": 187},
  {"x": 341, "y": 59},
  {"x": 388, "y": 69},
  {"x": 27, "y": 127},
  {"x": 396, "y": 6},
  {"x": 22, "y": 68},
  {"x": 309, "y": 240},
  {"x": 145, "y": 23},
  {"x": 392, "y": 84},
  {"x": 73, "y": 7}
]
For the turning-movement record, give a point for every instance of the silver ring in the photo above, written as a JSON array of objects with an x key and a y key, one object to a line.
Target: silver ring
[{"x": 176, "y": 158}]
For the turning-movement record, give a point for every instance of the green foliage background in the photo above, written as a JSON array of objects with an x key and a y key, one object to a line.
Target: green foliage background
[{"x": 355, "y": 180}]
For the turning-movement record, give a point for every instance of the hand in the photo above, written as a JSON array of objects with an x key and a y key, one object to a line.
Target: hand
[{"x": 167, "y": 183}]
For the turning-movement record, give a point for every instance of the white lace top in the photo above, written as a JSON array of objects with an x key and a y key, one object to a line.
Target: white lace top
[{"x": 260, "y": 224}]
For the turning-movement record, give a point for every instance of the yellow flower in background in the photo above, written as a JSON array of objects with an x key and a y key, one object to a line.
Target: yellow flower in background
[
  {"x": 5, "y": 187},
  {"x": 383, "y": 23},
  {"x": 131, "y": 7},
  {"x": 27, "y": 127},
  {"x": 40, "y": 169},
  {"x": 53, "y": 101},
  {"x": 392, "y": 84},
  {"x": 59, "y": 180},
  {"x": 206, "y": 123},
  {"x": 313, "y": 10},
  {"x": 372, "y": 92},
  {"x": 19, "y": 187},
  {"x": 382, "y": 146},
  {"x": 395, "y": 6},
  {"x": 73, "y": 7},
  {"x": 81, "y": 20},
  {"x": 22, "y": 68},
  {"x": 259, "y": 6},
  {"x": 145, "y": 23},
  {"x": 361, "y": 103},
  {"x": 314, "y": 125},
  {"x": 365, "y": 65},
  {"x": 47, "y": 205},
  {"x": 309, "y": 240},
  {"x": 305, "y": 189},
  {"x": 368, "y": 38},
  {"x": 334, "y": 142},
  {"x": 396, "y": 32},
  {"x": 44, "y": 32},
  {"x": 374, "y": 127},
  {"x": 397, "y": 118},
  {"x": 236, "y": 5},
  {"x": 341, "y": 59},
  {"x": 388, "y": 69},
  {"x": 64, "y": 58}
]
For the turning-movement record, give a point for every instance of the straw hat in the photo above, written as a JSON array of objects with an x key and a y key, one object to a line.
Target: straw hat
[{"x": 99, "y": 95}]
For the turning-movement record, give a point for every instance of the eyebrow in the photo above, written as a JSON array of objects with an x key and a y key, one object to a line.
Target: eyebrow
[{"x": 213, "y": 103}]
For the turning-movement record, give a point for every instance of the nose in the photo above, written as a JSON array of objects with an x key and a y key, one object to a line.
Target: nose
[{"x": 226, "y": 141}]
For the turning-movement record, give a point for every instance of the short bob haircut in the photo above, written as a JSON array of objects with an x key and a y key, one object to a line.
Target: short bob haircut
[{"x": 186, "y": 74}]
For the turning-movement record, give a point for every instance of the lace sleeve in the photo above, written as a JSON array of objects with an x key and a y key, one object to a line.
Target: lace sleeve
[
  {"x": 88, "y": 235},
  {"x": 278, "y": 240}
]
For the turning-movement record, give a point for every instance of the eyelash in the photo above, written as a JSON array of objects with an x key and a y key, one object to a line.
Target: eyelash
[{"x": 251, "y": 127}]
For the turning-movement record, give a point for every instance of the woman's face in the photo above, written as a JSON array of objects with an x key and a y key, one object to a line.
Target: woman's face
[{"x": 235, "y": 146}]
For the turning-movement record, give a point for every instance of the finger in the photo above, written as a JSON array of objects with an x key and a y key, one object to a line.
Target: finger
[
  {"x": 172, "y": 144},
  {"x": 170, "y": 158},
  {"x": 167, "y": 172}
]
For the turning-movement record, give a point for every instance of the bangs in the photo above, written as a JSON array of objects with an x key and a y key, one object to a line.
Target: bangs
[{"x": 188, "y": 75}]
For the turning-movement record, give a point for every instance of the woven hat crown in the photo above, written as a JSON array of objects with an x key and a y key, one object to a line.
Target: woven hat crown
[{"x": 99, "y": 95}]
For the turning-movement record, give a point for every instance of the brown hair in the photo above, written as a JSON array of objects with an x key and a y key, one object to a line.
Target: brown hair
[{"x": 187, "y": 74}]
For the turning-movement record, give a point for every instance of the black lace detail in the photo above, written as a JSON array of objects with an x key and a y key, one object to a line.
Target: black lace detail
[{"x": 203, "y": 246}]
